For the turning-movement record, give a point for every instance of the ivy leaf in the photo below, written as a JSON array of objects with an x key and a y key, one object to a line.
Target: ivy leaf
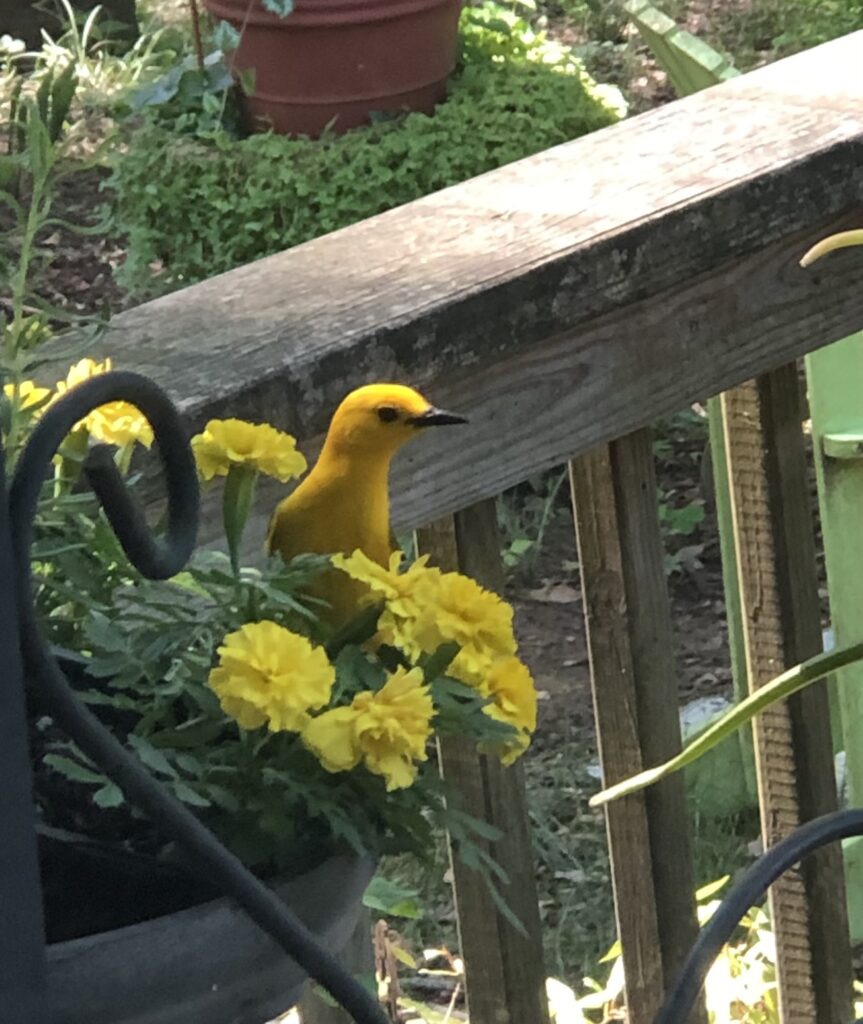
[
  {"x": 280, "y": 7},
  {"x": 225, "y": 36},
  {"x": 247, "y": 81},
  {"x": 161, "y": 91}
]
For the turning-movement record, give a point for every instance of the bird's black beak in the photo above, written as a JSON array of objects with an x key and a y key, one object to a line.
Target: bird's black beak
[{"x": 436, "y": 418}]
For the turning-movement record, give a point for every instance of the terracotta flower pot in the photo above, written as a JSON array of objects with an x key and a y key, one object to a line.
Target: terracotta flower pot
[{"x": 341, "y": 60}]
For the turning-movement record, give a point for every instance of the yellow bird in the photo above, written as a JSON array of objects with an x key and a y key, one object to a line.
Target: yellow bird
[{"x": 343, "y": 504}]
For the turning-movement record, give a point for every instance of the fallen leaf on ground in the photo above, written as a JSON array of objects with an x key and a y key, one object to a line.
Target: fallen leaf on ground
[{"x": 555, "y": 593}]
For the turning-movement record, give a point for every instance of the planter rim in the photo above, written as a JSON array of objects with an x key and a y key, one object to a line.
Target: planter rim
[
  {"x": 209, "y": 961},
  {"x": 312, "y": 14}
]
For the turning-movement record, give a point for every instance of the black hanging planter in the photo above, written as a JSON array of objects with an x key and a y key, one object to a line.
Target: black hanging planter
[
  {"x": 237, "y": 960},
  {"x": 206, "y": 963}
]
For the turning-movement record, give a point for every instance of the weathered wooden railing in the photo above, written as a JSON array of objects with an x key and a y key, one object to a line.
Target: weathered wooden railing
[{"x": 564, "y": 302}]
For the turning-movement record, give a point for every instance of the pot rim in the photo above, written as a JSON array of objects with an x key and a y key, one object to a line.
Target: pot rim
[
  {"x": 210, "y": 961},
  {"x": 281, "y": 885},
  {"x": 322, "y": 14}
]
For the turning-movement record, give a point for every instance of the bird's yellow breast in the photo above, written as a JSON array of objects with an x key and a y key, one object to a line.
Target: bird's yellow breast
[
  {"x": 338, "y": 511},
  {"x": 343, "y": 504}
]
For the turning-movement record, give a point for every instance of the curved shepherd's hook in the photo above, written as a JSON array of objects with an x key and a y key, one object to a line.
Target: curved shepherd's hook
[
  {"x": 746, "y": 893},
  {"x": 156, "y": 559}
]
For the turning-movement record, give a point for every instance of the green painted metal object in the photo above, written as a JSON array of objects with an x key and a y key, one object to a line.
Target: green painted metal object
[
  {"x": 834, "y": 375},
  {"x": 690, "y": 63}
]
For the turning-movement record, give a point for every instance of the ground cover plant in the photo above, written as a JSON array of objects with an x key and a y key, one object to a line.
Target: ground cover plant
[
  {"x": 234, "y": 200},
  {"x": 750, "y": 32}
]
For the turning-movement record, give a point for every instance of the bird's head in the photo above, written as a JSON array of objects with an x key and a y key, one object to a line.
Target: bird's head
[{"x": 379, "y": 418}]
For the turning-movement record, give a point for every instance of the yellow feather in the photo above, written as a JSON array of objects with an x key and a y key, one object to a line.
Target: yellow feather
[{"x": 343, "y": 503}]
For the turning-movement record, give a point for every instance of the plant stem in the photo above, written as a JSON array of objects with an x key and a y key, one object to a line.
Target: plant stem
[
  {"x": 20, "y": 279},
  {"x": 236, "y": 504},
  {"x": 196, "y": 33}
]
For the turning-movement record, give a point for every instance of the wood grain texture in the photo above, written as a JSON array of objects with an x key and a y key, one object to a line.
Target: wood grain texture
[
  {"x": 562, "y": 300},
  {"x": 635, "y": 705},
  {"x": 504, "y": 970},
  {"x": 537, "y": 408},
  {"x": 775, "y": 547}
]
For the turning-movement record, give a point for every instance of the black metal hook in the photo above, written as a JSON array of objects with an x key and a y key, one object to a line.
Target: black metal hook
[{"x": 157, "y": 559}]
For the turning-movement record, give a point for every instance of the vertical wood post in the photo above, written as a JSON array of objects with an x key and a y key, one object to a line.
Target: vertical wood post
[
  {"x": 635, "y": 702},
  {"x": 505, "y": 972},
  {"x": 793, "y": 747}
]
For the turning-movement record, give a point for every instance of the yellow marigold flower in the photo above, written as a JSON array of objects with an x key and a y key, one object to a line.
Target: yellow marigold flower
[
  {"x": 425, "y": 608},
  {"x": 398, "y": 589},
  {"x": 118, "y": 423},
  {"x": 268, "y": 675},
  {"x": 509, "y": 684},
  {"x": 454, "y": 608},
  {"x": 26, "y": 395},
  {"x": 386, "y": 730},
  {"x": 227, "y": 443},
  {"x": 83, "y": 370}
]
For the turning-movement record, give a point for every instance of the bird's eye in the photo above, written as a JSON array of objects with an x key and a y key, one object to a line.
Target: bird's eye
[{"x": 386, "y": 414}]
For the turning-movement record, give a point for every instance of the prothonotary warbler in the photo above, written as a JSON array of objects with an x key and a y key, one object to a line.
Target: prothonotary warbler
[{"x": 343, "y": 503}]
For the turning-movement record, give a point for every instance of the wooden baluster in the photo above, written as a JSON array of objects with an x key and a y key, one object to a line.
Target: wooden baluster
[
  {"x": 794, "y": 759},
  {"x": 635, "y": 702},
  {"x": 505, "y": 973}
]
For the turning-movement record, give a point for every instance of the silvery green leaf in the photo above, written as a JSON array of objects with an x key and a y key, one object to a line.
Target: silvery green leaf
[
  {"x": 281, "y": 7},
  {"x": 225, "y": 36},
  {"x": 160, "y": 91}
]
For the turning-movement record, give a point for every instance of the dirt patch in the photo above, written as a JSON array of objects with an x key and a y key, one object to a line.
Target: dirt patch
[{"x": 78, "y": 273}]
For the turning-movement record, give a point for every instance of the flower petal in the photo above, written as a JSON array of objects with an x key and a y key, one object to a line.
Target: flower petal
[{"x": 331, "y": 738}]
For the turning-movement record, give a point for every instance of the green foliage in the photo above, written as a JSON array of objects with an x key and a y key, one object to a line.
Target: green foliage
[
  {"x": 779, "y": 688},
  {"x": 597, "y": 20},
  {"x": 230, "y": 202},
  {"x": 265, "y": 794},
  {"x": 392, "y": 898},
  {"x": 681, "y": 520},
  {"x": 30, "y": 170},
  {"x": 679, "y": 445},
  {"x": 280, "y": 7},
  {"x": 150, "y": 646},
  {"x": 784, "y": 26},
  {"x": 191, "y": 99},
  {"x": 739, "y": 987},
  {"x": 524, "y": 515},
  {"x": 105, "y": 77}
]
